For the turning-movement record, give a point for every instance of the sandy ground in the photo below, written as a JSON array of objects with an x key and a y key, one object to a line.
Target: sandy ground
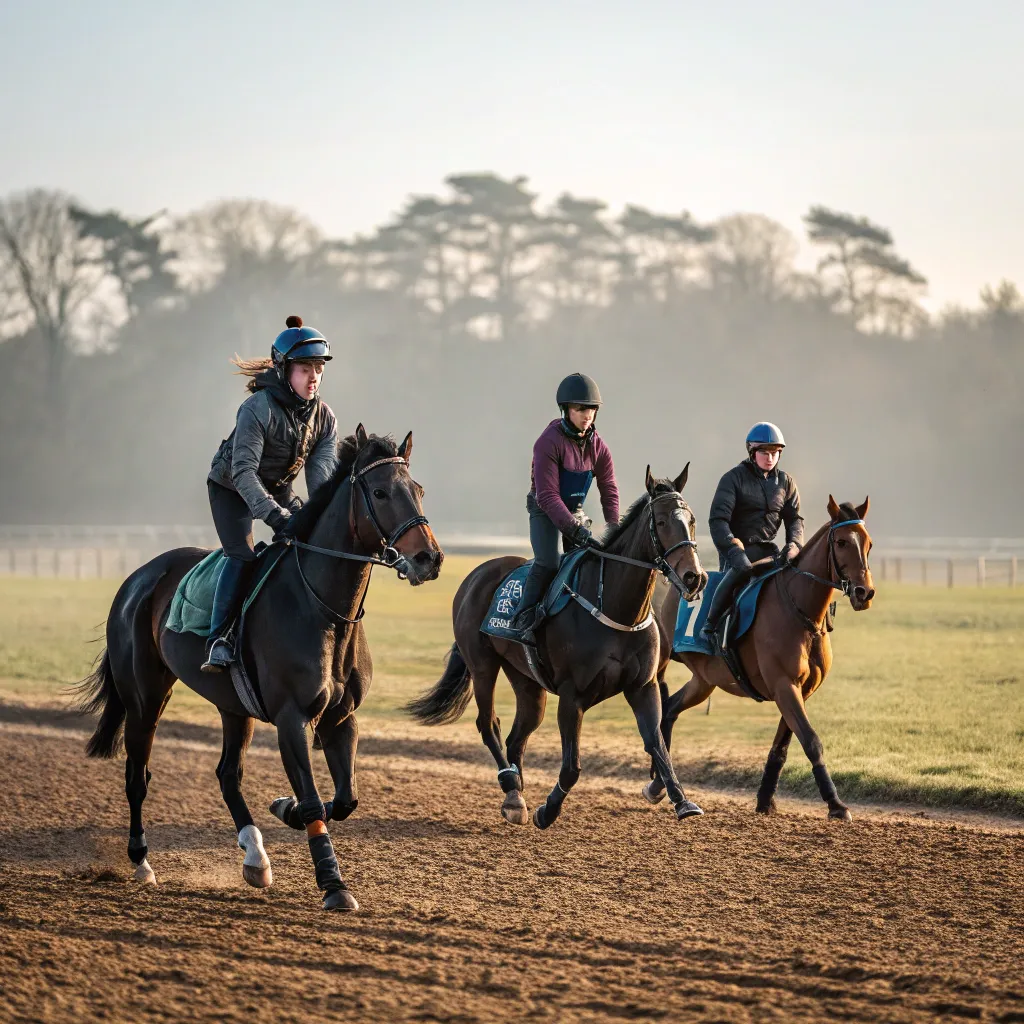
[{"x": 617, "y": 912}]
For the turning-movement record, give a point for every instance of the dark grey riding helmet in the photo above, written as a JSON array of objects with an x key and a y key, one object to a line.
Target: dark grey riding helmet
[{"x": 578, "y": 389}]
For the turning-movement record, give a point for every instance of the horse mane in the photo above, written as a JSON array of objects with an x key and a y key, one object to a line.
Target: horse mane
[
  {"x": 350, "y": 451},
  {"x": 846, "y": 511},
  {"x": 616, "y": 531}
]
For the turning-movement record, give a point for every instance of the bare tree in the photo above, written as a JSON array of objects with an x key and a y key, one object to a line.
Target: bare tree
[
  {"x": 752, "y": 255},
  {"x": 53, "y": 280}
]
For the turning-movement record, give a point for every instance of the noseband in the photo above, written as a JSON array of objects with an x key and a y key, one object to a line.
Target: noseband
[{"x": 390, "y": 558}]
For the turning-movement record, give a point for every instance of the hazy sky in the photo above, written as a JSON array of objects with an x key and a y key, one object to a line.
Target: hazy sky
[{"x": 911, "y": 112}]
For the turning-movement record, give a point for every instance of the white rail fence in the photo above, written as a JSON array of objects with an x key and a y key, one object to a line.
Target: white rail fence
[{"x": 113, "y": 552}]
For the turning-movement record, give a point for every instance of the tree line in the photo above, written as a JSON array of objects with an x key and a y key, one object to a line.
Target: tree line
[{"x": 458, "y": 315}]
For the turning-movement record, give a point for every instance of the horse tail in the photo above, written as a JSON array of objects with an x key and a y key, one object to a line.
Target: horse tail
[
  {"x": 447, "y": 699},
  {"x": 97, "y": 692}
]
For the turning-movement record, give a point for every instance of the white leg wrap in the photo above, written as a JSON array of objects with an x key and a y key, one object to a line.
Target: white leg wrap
[{"x": 144, "y": 873}]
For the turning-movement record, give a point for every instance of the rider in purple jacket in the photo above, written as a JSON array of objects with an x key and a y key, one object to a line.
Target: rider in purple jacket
[{"x": 568, "y": 456}]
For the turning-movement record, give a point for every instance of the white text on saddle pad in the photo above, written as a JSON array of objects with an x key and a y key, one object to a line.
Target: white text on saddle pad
[{"x": 694, "y": 607}]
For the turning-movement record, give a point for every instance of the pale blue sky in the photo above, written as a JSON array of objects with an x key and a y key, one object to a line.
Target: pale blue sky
[{"x": 910, "y": 112}]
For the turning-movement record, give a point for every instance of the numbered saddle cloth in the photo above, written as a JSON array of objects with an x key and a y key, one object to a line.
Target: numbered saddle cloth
[
  {"x": 692, "y": 614},
  {"x": 505, "y": 603}
]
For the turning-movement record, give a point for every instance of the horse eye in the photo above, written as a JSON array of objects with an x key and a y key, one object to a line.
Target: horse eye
[
  {"x": 840, "y": 543},
  {"x": 379, "y": 493}
]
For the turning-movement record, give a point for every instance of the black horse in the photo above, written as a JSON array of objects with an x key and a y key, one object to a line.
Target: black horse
[
  {"x": 589, "y": 652},
  {"x": 302, "y": 641}
]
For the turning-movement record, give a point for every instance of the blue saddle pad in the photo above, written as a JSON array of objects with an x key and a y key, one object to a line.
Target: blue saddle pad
[
  {"x": 505, "y": 603},
  {"x": 692, "y": 615}
]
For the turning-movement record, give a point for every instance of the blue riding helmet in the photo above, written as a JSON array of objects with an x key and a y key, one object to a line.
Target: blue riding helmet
[
  {"x": 298, "y": 342},
  {"x": 764, "y": 433}
]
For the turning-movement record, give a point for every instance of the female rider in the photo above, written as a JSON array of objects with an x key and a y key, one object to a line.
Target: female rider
[
  {"x": 567, "y": 457},
  {"x": 752, "y": 501},
  {"x": 283, "y": 427}
]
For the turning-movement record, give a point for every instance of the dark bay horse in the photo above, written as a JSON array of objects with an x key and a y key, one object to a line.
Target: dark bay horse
[
  {"x": 787, "y": 653},
  {"x": 302, "y": 641},
  {"x": 583, "y": 659}
]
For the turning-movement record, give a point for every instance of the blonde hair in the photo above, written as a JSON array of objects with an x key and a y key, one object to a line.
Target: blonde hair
[{"x": 252, "y": 368}]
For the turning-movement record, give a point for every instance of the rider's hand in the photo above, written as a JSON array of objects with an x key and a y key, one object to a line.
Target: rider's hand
[
  {"x": 581, "y": 536},
  {"x": 295, "y": 504},
  {"x": 738, "y": 559},
  {"x": 280, "y": 522},
  {"x": 790, "y": 551}
]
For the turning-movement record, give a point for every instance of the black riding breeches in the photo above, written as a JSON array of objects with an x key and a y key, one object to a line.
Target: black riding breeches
[{"x": 233, "y": 520}]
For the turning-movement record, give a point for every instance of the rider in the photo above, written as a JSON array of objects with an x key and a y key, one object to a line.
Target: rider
[
  {"x": 567, "y": 457},
  {"x": 283, "y": 427},
  {"x": 752, "y": 501}
]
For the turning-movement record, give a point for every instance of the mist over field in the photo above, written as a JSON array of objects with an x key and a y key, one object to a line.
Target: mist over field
[{"x": 457, "y": 318}]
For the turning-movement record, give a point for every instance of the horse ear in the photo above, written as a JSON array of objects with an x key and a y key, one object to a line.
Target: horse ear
[
  {"x": 649, "y": 480},
  {"x": 833, "y": 508},
  {"x": 862, "y": 510},
  {"x": 680, "y": 481},
  {"x": 405, "y": 448},
  {"x": 361, "y": 436}
]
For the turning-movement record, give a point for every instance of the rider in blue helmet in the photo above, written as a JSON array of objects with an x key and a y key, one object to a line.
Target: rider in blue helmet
[
  {"x": 753, "y": 500},
  {"x": 282, "y": 428}
]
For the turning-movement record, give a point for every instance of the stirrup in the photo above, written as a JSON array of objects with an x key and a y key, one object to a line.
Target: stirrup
[{"x": 220, "y": 656}]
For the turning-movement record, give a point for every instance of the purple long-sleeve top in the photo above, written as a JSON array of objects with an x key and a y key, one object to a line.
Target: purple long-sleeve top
[{"x": 554, "y": 450}]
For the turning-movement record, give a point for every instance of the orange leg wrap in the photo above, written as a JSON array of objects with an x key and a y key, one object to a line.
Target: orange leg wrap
[{"x": 316, "y": 828}]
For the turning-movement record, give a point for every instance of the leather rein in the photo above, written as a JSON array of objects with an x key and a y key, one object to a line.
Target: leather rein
[
  {"x": 390, "y": 558},
  {"x": 837, "y": 580},
  {"x": 660, "y": 564}
]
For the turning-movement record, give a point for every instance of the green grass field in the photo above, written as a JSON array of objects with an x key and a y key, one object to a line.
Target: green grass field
[{"x": 925, "y": 702}]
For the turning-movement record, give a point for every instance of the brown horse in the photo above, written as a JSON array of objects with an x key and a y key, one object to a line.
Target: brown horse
[
  {"x": 787, "y": 653},
  {"x": 303, "y": 641},
  {"x": 589, "y": 652}
]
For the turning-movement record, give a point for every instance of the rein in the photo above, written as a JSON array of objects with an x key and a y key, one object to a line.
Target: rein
[
  {"x": 660, "y": 564},
  {"x": 843, "y": 585},
  {"x": 391, "y": 557}
]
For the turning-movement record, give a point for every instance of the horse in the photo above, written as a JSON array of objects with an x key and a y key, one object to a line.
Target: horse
[
  {"x": 786, "y": 654},
  {"x": 302, "y": 640},
  {"x": 599, "y": 645}
]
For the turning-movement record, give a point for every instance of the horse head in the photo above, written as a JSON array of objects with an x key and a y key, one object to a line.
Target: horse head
[
  {"x": 674, "y": 533},
  {"x": 849, "y": 545}
]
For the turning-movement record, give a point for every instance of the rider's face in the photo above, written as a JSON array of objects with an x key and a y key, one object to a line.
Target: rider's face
[
  {"x": 767, "y": 458},
  {"x": 582, "y": 416},
  {"x": 304, "y": 377}
]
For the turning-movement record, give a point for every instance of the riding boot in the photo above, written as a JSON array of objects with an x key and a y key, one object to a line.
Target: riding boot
[
  {"x": 227, "y": 598},
  {"x": 727, "y": 587},
  {"x": 528, "y": 617}
]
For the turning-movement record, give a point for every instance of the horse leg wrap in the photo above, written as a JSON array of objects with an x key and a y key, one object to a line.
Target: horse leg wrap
[
  {"x": 770, "y": 779},
  {"x": 312, "y": 810},
  {"x": 826, "y": 787},
  {"x": 137, "y": 848},
  {"x": 510, "y": 778},
  {"x": 340, "y": 811},
  {"x": 328, "y": 874}
]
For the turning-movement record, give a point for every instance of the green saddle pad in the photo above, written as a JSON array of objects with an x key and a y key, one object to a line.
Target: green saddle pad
[{"x": 192, "y": 604}]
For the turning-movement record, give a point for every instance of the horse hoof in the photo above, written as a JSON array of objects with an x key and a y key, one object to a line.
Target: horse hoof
[
  {"x": 145, "y": 874},
  {"x": 769, "y": 808},
  {"x": 514, "y": 809},
  {"x": 840, "y": 814},
  {"x": 651, "y": 795},
  {"x": 340, "y": 900},
  {"x": 687, "y": 809},
  {"x": 257, "y": 877},
  {"x": 283, "y": 808},
  {"x": 538, "y": 818}
]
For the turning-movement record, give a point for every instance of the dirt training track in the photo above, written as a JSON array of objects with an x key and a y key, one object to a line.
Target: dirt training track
[{"x": 617, "y": 912}]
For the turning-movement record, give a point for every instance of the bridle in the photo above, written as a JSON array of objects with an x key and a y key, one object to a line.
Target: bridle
[
  {"x": 837, "y": 579},
  {"x": 659, "y": 564},
  {"x": 390, "y": 558}
]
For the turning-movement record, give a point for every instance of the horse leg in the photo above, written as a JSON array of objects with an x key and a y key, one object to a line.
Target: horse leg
[
  {"x": 485, "y": 677},
  {"x": 339, "y": 746},
  {"x": 790, "y": 702},
  {"x": 646, "y": 704},
  {"x": 138, "y": 745},
  {"x": 238, "y": 730},
  {"x": 294, "y": 746},
  {"x": 531, "y": 701},
  {"x": 695, "y": 692},
  {"x": 570, "y": 723},
  {"x": 773, "y": 769}
]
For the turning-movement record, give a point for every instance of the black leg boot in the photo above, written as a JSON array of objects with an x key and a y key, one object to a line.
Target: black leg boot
[
  {"x": 227, "y": 599},
  {"x": 534, "y": 589},
  {"x": 720, "y": 602}
]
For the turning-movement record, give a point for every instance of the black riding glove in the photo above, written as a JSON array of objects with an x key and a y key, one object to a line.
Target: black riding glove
[
  {"x": 790, "y": 551},
  {"x": 280, "y": 522},
  {"x": 738, "y": 560},
  {"x": 583, "y": 538},
  {"x": 295, "y": 504}
]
